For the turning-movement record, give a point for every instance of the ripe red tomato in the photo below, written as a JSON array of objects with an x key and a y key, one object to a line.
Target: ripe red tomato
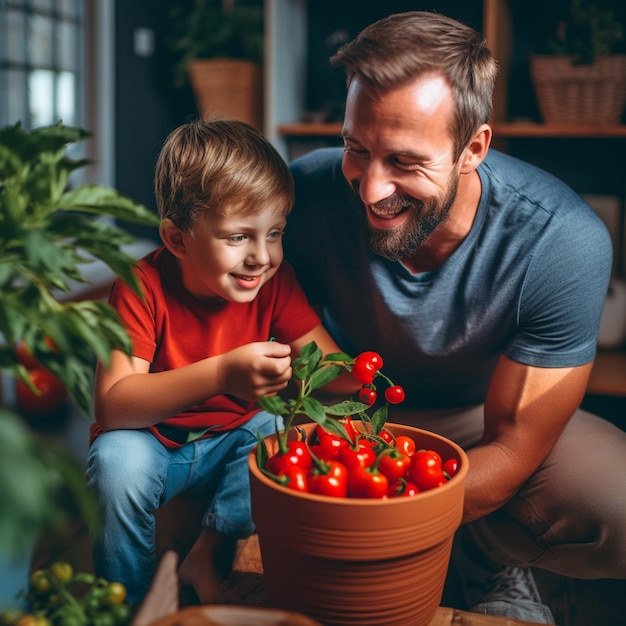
[
  {"x": 362, "y": 455},
  {"x": 363, "y": 372},
  {"x": 387, "y": 436},
  {"x": 394, "y": 464},
  {"x": 297, "y": 454},
  {"x": 367, "y": 482},
  {"x": 330, "y": 444},
  {"x": 296, "y": 478},
  {"x": 373, "y": 358},
  {"x": 451, "y": 467},
  {"x": 405, "y": 444},
  {"x": 52, "y": 392},
  {"x": 365, "y": 366},
  {"x": 332, "y": 480},
  {"x": 367, "y": 395},
  {"x": 426, "y": 470},
  {"x": 395, "y": 394},
  {"x": 25, "y": 355},
  {"x": 401, "y": 489}
]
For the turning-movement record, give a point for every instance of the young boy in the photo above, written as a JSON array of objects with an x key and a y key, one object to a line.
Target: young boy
[{"x": 180, "y": 415}]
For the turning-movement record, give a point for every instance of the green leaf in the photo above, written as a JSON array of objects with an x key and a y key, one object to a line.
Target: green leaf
[
  {"x": 308, "y": 361},
  {"x": 103, "y": 200},
  {"x": 261, "y": 452},
  {"x": 325, "y": 375},
  {"x": 336, "y": 428},
  {"x": 274, "y": 405},
  {"x": 339, "y": 356},
  {"x": 343, "y": 409},
  {"x": 314, "y": 409},
  {"x": 379, "y": 418}
]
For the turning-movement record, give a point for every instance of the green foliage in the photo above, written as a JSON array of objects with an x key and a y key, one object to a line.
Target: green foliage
[
  {"x": 48, "y": 231},
  {"x": 589, "y": 31},
  {"x": 206, "y": 29},
  {"x": 582, "y": 28},
  {"x": 36, "y": 479}
]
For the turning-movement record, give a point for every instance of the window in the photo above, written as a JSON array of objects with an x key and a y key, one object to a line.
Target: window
[
  {"x": 56, "y": 64},
  {"x": 41, "y": 70}
]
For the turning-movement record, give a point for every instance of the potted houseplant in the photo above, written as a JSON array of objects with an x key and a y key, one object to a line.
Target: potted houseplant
[
  {"x": 48, "y": 232},
  {"x": 217, "y": 45},
  {"x": 359, "y": 531},
  {"x": 578, "y": 65}
]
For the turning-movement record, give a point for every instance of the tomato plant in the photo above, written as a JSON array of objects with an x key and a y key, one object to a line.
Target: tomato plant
[
  {"x": 58, "y": 596},
  {"x": 338, "y": 451}
]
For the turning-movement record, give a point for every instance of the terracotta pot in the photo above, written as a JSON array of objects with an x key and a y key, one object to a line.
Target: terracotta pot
[
  {"x": 355, "y": 561},
  {"x": 228, "y": 87}
]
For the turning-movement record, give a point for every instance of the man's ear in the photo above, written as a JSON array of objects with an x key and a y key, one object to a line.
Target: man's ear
[
  {"x": 173, "y": 238},
  {"x": 476, "y": 149}
]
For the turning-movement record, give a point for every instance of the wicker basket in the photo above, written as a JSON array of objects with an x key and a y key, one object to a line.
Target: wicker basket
[
  {"x": 228, "y": 88},
  {"x": 580, "y": 94}
]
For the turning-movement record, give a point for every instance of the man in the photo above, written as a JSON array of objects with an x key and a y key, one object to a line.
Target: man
[{"x": 481, "y": 281}]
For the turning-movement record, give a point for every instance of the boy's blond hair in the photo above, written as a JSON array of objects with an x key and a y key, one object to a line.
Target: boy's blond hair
[{"x": 220, "y": 166}]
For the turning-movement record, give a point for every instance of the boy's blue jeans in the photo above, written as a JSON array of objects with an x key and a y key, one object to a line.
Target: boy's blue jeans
[{"x": 133, "y": 474}]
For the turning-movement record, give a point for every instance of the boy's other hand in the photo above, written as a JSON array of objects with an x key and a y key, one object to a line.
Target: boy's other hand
[{"x": 255, "y": 370}]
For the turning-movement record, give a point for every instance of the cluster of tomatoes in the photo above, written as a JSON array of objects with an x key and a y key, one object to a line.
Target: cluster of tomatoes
[
  {"x": 58, "y": 596},
  {"x": 363, "y": 465},
  {"x": 364, "y": 369}
]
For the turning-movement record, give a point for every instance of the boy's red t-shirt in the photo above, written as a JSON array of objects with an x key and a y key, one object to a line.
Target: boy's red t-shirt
[{"x": 170, "y": 328}]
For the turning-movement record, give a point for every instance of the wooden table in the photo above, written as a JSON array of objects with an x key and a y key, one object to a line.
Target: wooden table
[{"x": 245, "y": 587}]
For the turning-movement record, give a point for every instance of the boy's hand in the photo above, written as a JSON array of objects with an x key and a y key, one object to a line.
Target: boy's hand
[{"x": 255, "y": 370}]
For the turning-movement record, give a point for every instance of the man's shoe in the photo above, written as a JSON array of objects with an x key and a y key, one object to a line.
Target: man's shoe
[{"x": 512, "y": 592}]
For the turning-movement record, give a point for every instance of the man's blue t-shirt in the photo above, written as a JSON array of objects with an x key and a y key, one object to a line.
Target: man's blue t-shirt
[{"x": 529, "y": 281}]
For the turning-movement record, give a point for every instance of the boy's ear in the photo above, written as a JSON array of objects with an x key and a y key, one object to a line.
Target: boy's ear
[{"x": 173, "y": 238}]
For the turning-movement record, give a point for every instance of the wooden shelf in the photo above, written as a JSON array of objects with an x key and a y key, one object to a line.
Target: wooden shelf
[
  {"x": 608, "y": 377},
  {"x": 502, "y": 129},
  {"x": 307, "y": 129}
]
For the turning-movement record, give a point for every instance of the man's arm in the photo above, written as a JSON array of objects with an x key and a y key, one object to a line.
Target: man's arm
[{"x": 526, "y": 410}]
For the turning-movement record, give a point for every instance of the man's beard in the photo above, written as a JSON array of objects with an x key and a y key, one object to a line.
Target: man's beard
[{"x": 399, "y": 243}]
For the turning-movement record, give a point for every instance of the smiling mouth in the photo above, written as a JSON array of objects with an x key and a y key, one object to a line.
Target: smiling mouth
[
  {"x": 246, "y": 278},
  {"x": 387, "y": 212}
]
